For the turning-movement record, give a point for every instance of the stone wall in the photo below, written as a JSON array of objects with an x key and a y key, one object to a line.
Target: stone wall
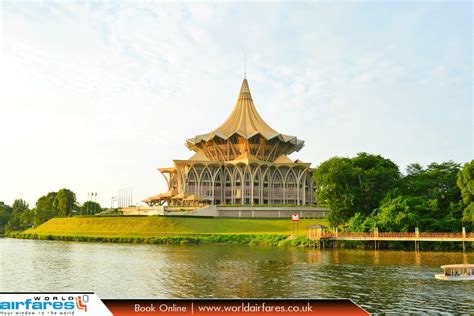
[{"x": 272, "y": 211}]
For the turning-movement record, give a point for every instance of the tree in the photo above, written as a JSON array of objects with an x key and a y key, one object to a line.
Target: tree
[
  {"x": 436, "y": 181},
  {"x": 399, "y": 214},
  {"x": 465, "y": 182},
  {"x": 21, "y": 218},
  {"x": 351, "y": 185},
  {"x": 20, "y": 206},
  {"x": 90, "y": 207},
  {"x": 60, "y": 203},
  {"x": 377, "y": 176},
  {"x": 360, "y": 223},
  {"x": 64, "y": 202},
  {"x": 44, "y": 209},
  {"x": 16, "y": 220},
  {"x": 414, "y": 169},
  {"x": 427, "y": 198},
  {"x": 5, "y": 214},
  {"x": 335, "y": 179},
  {"x": 437, "y": 185},
  {"x": 468, "y": 217}
]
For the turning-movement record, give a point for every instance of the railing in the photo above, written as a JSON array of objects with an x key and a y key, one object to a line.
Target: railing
[
  {"x": 441, "y": 235},
  {"x": 317, "y": 235}
]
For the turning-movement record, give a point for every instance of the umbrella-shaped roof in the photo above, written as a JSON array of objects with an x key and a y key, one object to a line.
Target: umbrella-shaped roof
[{"x": 246, "y": 122}]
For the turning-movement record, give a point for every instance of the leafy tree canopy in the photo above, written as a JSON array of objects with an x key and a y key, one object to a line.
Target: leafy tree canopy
[
  {"x": 60, "y": 203},
  {"x": 465, "y": 182},
  {"x": 350, "y": 185},
  {"x": 436, "y": 181},
  {"x": 44, "y": 208},
  {"x": 21, "y": 216},
  {"x": 5, "y": 214},
  {"x": 90, "y": 207},
  {"x": 426, "y": 197},
  {"x": 19, "y": 206},
  {"x": 64, "y": 202}
]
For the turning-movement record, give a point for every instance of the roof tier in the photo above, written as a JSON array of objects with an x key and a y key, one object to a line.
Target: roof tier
[{"x": 245, "y": 123}]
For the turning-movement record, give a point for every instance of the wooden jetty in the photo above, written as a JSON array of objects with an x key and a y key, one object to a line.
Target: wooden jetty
[{"x": 318, "y": 232}]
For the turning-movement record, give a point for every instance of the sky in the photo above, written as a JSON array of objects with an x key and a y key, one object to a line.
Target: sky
[{"x": 95, "y": 96}]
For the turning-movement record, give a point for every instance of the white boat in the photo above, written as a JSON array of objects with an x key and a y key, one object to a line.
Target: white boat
[{"x": 456, "y": 272}]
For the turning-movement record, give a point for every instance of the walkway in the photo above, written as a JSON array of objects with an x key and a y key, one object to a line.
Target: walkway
[{"x": 316, "y": 235}]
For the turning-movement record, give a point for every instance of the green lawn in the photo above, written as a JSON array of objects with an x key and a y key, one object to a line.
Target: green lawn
[{"x": 167, "y": 226}]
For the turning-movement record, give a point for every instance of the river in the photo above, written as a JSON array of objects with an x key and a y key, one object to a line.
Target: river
[{"x": 380, "y": 281}]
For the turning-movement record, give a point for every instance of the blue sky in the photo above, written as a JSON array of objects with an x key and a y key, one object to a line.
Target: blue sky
[{"x": 96, "y": 96}]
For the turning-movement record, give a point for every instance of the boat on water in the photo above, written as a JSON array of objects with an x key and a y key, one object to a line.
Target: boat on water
[{"x": 456, "y": 272}]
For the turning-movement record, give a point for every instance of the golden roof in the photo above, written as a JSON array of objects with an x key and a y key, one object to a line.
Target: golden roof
[
  {"x": 167, "y": 169},
  {"x": 158, "y": 197},
  {"x": 193, "y": 197},
  {"x": 283, "y": 159},
  {"x": 246, "y": 122},
  {"x": 179, "y": 196},
  {"x": 199, "y": 156},
  {"x": 244, "y": 119}
]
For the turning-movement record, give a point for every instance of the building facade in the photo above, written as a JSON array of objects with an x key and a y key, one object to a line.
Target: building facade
[{"x": 244, "y": 161}]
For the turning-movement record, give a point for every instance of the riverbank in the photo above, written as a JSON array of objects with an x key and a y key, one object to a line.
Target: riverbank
[
  {"x": 157, "y": 226},
  {"x": 236, "y": 239},
  {"x": 186, "y": 230},
  {"x": 173, "y": 230}
]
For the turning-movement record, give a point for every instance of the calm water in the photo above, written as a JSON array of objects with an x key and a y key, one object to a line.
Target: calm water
[{"x": 383, "y": 281}]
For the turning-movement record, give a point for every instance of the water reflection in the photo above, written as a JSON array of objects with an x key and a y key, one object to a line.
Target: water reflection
[{"x": 382, "y": 281}]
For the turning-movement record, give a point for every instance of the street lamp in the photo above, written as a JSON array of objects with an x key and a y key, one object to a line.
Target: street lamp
[{"x": 112, "y": 199}]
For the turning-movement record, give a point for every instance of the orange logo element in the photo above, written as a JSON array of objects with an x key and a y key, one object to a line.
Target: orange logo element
[{"x": 80, "y": 304}]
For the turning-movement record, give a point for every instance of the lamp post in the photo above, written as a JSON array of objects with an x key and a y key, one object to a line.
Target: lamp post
[
  {"x": 95, "y": 203},
  {"x": 112, "y": 199},
  {"x": 87, "y": 205}
]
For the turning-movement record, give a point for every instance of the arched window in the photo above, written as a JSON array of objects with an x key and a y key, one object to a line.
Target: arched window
[
  {"x": 237, "y": 188},
  {"x": 227, "y": 187},
  {"x": 206, "y": 190},
  {"x": 291, "y": 188},
  {"x": 308, "y": 189},
  {"x": 277, "y": 188},
  {"x": 191, "y": 182},
  {"x": 256, "y": 188},
  {"x": 247, "y": 188},
  {"x": 218, "y": 189},
  {"x": 266, "y": 188}
]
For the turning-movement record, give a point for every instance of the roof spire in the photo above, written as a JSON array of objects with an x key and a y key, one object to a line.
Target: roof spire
[
  {"x": 245, "y": 91},
  {"x": 246, "y": 122}
]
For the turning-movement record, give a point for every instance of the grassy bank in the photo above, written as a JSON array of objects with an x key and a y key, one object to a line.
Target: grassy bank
[
  {"x": 238, "y": 239},
  {"x": 156, "y": 229},
  {"x": 182, "y": 230}
]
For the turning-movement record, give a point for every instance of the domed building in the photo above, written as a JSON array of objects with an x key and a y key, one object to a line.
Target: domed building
[{"x": 242, "y": 162}]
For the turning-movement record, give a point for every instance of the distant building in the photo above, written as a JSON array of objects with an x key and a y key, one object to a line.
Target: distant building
[{"x": 244, "y": 161}]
